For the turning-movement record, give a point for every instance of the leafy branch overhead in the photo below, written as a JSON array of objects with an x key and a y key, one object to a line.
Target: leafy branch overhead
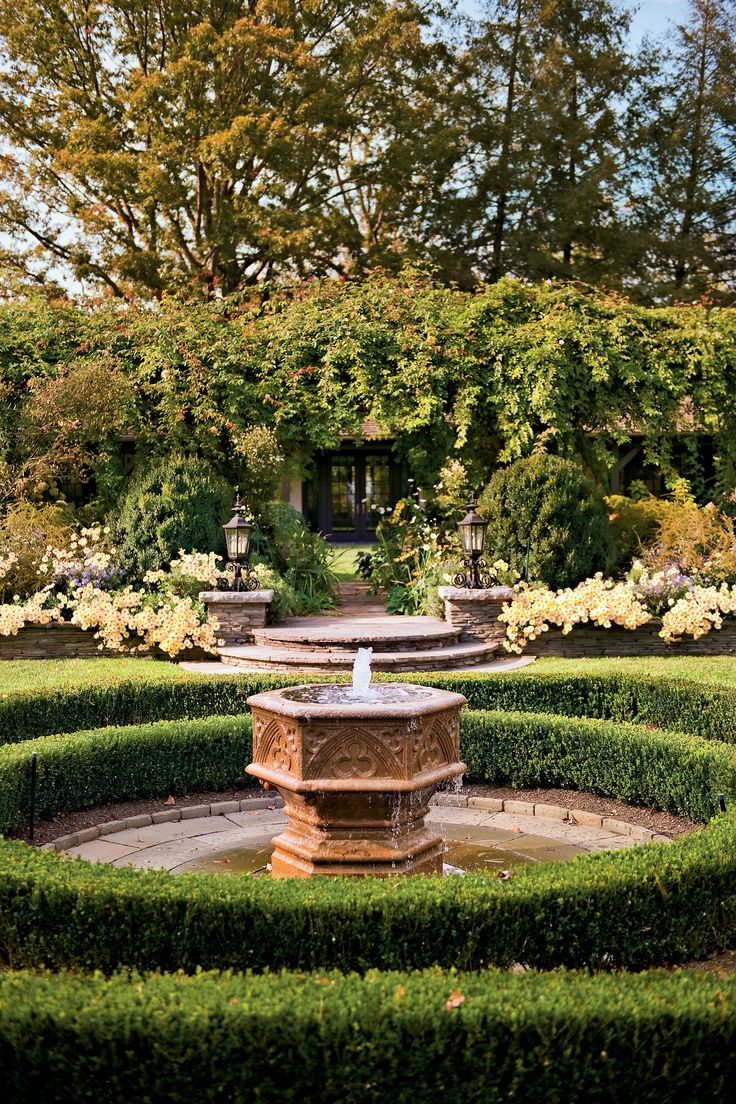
[{"x": 485, "y": 377}]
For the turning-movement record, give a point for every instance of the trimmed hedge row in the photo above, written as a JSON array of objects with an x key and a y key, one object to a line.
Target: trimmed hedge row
[
  {"x": 648, "y": 905},
  {"x": 84, "y": 769},
  {"x": 668, "y": 770},
  {"x": 702, "y": 710},
  {"x": 410, "y": 1038},
  {"x": 678, "y": 704},
  {"x": 679, "y": 773},
  {"x": 28, "y": 714}
]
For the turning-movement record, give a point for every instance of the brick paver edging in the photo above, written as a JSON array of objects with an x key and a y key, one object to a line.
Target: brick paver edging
[
  {"x": 163, "y": 816},
  {"x": 551, "y": 812},
  {"x": 488, "y": 804}
]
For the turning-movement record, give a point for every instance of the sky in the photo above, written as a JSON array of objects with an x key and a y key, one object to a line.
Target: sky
[{"x": 653, "y": 16}]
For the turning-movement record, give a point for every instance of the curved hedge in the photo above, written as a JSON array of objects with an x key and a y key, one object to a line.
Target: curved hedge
[
  {"x": 681, "y": 704},
  {"x": 407, "y": 1038},
  {"x": 642, "y": 906},
  {"x": 363, "y": 1039}
]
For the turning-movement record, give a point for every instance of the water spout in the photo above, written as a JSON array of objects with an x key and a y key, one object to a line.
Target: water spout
[{"x": 362, "y": 672}]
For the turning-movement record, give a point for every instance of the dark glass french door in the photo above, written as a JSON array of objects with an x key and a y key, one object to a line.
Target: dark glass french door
[
  {"x": 352, "y": 487},
  {"x": 360, "y": 487}
]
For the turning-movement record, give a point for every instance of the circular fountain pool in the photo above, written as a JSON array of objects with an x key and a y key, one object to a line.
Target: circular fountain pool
[{"x": 332, "y": 693}]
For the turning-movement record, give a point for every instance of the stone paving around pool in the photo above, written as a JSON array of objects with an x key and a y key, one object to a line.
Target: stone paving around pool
[{"x": 211, "y": 837}]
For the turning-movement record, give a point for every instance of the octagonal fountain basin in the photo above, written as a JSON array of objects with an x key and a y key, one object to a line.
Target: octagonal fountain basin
[{"x": 356, "y": 769}]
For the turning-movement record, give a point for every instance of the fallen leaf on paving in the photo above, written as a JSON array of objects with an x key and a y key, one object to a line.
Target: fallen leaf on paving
[
  {"x": 222, "y": 860},
  {"x": 517, "y": 829}
]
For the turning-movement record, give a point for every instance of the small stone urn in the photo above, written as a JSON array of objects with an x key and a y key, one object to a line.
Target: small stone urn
[{"x": 356, "y": 773}]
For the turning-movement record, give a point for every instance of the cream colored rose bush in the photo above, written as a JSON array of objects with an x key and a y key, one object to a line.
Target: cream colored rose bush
[
  {"x": 684, "y": 607},
  {"x": 85, "y": 588}
]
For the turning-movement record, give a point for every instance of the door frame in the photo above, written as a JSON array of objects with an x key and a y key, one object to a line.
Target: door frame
[{"x": 363, "y": 533}]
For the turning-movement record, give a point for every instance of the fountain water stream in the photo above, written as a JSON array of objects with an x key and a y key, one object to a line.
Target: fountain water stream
[{"x": 362, "y": 672}]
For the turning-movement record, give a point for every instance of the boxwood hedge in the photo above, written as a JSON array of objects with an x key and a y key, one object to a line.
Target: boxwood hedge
[
  {"x": 371, "y": 1036},
  {"x": 411, "y": 1038},
  {"x": 637, "y": 907},
  {"x": 687, "y": 706}
]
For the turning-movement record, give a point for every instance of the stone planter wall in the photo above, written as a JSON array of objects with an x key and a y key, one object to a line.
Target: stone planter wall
[
  {"x": 238, "y": 612},
  {"x": 54, "y": 641},
  {"x": 238, "y": 615},
  {"x": 587, "y": 640},
  {"x": 475, "y": 612}
]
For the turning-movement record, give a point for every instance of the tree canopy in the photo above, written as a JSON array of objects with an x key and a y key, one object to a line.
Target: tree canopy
[{"x": 210, "y": 147}]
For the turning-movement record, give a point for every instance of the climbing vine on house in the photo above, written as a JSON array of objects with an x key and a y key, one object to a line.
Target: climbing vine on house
[{"x": 485, "y": 377}]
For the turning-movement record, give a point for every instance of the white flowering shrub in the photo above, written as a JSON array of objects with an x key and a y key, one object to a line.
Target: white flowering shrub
[
  {"x": 84, "y": 586},
  {"x": 684, "y": 610}
]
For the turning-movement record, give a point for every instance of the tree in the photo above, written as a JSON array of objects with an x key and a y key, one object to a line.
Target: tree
[
  {"x": 551, "y": 77},
  {"x": 204, "y": 146},
  {"x": 685, "y": 199}
]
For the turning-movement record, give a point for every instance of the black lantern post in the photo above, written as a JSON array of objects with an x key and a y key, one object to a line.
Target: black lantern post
[
  {"x": 472, "y": 531},
  {"x": 238, "y": 531}
]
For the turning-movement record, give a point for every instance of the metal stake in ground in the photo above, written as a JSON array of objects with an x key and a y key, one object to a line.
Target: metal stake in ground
[{"x": 34, "y": 778}]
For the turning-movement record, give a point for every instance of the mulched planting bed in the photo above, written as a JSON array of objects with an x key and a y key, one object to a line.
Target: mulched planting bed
[{"x": 65, "y": 823}]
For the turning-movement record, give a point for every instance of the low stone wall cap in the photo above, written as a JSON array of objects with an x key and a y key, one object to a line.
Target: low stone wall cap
[
  {"x": 465, "y": 594},
  {"x": 236, "y": 597}
]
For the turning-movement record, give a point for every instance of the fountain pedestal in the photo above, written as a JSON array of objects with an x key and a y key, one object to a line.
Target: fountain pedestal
[{"x": 356, "y": 775}]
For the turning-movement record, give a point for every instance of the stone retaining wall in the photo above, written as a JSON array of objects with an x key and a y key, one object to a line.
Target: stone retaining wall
[
  {"x": 54, "y": 641},
  {"x": 475, "y": 613},
  {"x": 59, "y": 640},
  {"x": 587, "y": 640}
]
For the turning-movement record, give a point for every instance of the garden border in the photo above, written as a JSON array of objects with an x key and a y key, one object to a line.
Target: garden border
[{"x": 680, "y": 898}]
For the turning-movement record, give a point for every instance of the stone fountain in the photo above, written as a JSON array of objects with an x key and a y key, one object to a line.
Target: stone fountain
[{"x": 356, "y": 767}]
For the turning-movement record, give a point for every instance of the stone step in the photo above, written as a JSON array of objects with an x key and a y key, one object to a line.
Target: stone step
[
  {"x": 321, "y": 661},
  {"x": 346, "y": 635},
  {"x": 354, "y": 590}
]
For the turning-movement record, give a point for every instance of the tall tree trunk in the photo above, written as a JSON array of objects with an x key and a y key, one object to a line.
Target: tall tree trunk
[
  {"x": 688, "y": 214},
  {"x": 504, "y": 173}
]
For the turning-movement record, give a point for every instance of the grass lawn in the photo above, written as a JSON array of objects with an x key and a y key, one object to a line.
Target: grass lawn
[
  {"x": 344, "y": 564},
  {"x": 23, "y": 675}
]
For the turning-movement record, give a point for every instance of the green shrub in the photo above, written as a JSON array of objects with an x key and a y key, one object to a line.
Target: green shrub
[
  {"x": 119, "y": 764},
  {"x": 647, "y": 905},
  {"x": 303, "y": 558},
  {"x": 179, "y": 503},
  {"x": 653, "y": 1039},
  {"x": 26, "y": 530},
  {"x": 552, "y": 503},
  {"x": 695, "y": 708},
  {"x": 635, "y": 522},
  {"x": 682, "y": 774}
]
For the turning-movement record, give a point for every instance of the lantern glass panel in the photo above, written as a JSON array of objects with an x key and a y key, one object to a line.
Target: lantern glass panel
[
  {"x": 243, "y": 541},
  {"x": 477, "y": 536},
  {"x": 466, "y": 536}
]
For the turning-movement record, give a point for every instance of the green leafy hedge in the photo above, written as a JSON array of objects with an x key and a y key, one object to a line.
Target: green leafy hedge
[
  {"x": 409, "y": 1038},
  {"x": 646, "y": 905},
  {"x": 119, "y": 764},
  {"x": 685, "y": 705}
]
